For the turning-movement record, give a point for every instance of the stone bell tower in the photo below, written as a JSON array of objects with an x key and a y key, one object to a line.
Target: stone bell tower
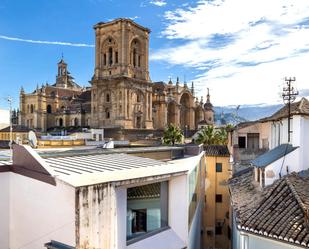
[
  {"x": 121, "y": 49},
  {"x": 121, "y": 89}
]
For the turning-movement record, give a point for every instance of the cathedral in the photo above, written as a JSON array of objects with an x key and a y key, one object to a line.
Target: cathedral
[{"x": 121, "y": 95}]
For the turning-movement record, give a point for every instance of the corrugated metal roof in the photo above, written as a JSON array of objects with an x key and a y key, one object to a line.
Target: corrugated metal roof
[
  {"x": 98, "y": 163},
  {"x": 96, "y": 169},
  {"x": 273, "y": 155},
  {"x": 148, "y": 191}
]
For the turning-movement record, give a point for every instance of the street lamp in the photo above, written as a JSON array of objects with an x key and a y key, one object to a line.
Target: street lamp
[{"x": 9, "y": 99}]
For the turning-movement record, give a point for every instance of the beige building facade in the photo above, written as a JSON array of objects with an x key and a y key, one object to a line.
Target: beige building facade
[
  {"x": 121, "y": 93},
  {"x": 216, "y": 216}
]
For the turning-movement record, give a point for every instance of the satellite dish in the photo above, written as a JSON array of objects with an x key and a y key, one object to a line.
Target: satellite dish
[{"x": 33, "y": 141}]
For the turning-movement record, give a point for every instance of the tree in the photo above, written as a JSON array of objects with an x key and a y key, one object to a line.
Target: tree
[
  {"x": 172, "y": 134},
  {"x": 206, "y": 135},
  {"x": 211, "y": 136}
]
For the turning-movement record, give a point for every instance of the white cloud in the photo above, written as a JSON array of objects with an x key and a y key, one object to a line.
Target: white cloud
[
  {"x": 242, "y": 48},
  {"x": 46, "y": 42},
  {"x": 159, "y": 3}
]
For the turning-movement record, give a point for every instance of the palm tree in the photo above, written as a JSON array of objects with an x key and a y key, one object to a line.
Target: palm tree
[
  {"x": 221, "y": 136},
  {"x": 210, "y": 136},
  {"x": 206, "y": 135},
  {"x": 172, "y": 134}
]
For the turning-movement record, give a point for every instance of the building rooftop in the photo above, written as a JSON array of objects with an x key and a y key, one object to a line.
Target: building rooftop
[
  {"x": 273, "y": 155},
  {"x": 298, "y": 108},
  {"x": 279, "y": 211},
  {"x": 126, "y": 150},
  {"x": 216, "y": 150},
  {"x": 89, "y": 169}
]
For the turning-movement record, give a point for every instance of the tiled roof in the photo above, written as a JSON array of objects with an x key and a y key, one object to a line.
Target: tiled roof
[
  {"x": 216, "y": 150},
  {"x": 273, "y": 155},
  {"x": 144, "y": 192},
  {"x": 298, "y": 108},
  {"x": 279, "y": 211}
]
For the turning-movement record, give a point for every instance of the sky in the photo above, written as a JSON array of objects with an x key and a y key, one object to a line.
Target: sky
[{"x": 241, "y": 50}]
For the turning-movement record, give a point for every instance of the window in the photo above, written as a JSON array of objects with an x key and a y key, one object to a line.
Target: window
[
  {"x": 218, "y": 167},
  {"x": 218, "y": 230},
  {"x": 139, "y": 60},
  {"x": 31, "y": 108},
  {"x": 253, "y": 140},
  {"x": 107, "y": 113},
  {"x": 147, "y": 208},
  {"x": 107, "y": 97},
  {"x": 110, "y": 56},
  {"x": 134, "y": 57},
  {"x": 242, "y": 142},
  {"x": 104, "y": 60},
  {"x": 116, "y": 57},
  {"x": 219, "y": 198},
  {"x": 49, "y": 109},
  {"x": 139, "y": 221}
]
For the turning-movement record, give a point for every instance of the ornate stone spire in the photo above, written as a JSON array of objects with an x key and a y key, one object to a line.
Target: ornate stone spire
[
  {"x": 22, "y": 91},
  {"x": 208, "y": 105},
  {"x": 192, "y": 88},
  {"x": 170, "y": 81}
]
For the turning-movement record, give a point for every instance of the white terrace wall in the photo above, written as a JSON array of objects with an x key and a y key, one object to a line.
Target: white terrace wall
[
  {"x": 4, "y": 210},
  {"x": 40, "y": 212}
]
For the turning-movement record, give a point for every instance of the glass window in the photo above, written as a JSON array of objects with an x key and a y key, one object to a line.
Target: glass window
[
  {"x": 147, "y": 208},
  {"x": 218, "y": 167},
  {"x": 242, "y": 142}
]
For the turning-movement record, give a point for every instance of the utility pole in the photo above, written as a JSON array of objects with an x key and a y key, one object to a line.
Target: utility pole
[
  {"x": 9, "y": 99},
  {"x": 289, "y": 95}
]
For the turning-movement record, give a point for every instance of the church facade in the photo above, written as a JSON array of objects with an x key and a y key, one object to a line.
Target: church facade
[{"x": 121, "y": 93}]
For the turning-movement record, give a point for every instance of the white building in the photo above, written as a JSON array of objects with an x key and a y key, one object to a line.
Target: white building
[
  {"x": 101, "y": 201},
  {"x": 285, "y": 156},
  {"x": 270, "y": 200},
  {"x": 4, "y": 118}
]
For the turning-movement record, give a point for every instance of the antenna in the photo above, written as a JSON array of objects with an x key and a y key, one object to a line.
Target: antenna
[{"x": 289, "y": 95}]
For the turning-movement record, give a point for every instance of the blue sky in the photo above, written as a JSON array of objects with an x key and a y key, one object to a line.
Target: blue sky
[{"x": 240, "y": 50}]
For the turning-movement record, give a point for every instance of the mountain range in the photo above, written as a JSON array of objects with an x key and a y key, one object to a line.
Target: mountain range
[{"x": 236, "y": 114}]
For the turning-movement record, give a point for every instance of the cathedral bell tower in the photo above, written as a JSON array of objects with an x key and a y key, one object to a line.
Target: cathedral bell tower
[
  {"x": 121, "y": 89},
  {"x": 121, "y": 49},
  {"x": 62, "y": 76}
]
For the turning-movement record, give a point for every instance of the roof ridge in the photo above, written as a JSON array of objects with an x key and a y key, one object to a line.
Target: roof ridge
[
  {"x": 298, "y": 199},
  {"x": 302, "y": 102}
]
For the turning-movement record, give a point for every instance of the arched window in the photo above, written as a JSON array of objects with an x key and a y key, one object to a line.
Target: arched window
[
  {"x": 107, "y": 113},
  {"x": 104, "y": 60},
  {"x": 107, "y": 97},
  {"x": 49, "y": 109},
  {"x": 75, "y": 122},
  {"x": 138, "y": 97},
  {"x": 31, "y": 108},
  {"x": 116, "y": 57},
  {"x": 110, "y": 56},
  {"x": 60, "y": 122},
  {"x": 134, "y": 57}
]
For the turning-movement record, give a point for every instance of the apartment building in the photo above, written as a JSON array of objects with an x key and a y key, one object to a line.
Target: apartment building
[{"x": 106, "y": 200}]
